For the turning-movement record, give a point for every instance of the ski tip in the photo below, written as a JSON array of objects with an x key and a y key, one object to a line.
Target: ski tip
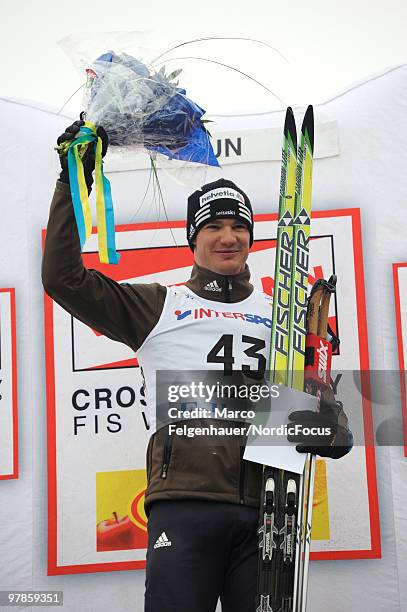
[
  {"x": 290, "y": 130},
  {"x": 289, "y": 119},
  {"x": 308, "y": 125}
]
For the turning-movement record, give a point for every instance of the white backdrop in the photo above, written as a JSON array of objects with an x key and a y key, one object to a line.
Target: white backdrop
[{"x": 368, "y": 171}]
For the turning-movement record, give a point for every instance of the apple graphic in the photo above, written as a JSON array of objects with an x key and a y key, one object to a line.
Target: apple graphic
[{"x": 115, "y": 533}]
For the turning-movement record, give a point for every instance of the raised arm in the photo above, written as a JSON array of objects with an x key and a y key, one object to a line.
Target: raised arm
[{"x": 123, "y": 312}]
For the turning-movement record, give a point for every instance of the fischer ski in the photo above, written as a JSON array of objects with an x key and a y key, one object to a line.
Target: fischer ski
[
  {"x": 267, "y": 544},
  {"x": 279, "y": 353},
  {"x": 280, "y": 573}
]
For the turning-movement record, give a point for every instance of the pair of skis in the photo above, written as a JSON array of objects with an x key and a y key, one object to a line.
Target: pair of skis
[{"x": 286, "y": 499}]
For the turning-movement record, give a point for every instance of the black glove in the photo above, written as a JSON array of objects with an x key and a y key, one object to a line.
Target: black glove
[
  {"x": 88, "y": 159},
  {"x": 335, "y": 442}
]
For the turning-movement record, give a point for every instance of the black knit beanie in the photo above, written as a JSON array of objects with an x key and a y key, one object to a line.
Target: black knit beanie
[{"x": 218, "y": 200}]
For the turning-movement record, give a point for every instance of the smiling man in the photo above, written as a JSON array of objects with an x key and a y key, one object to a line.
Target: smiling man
[
  {"x": 202, "y": 497},
  {"x": 223, "y": 246},
  {"x": 220, "y": 227},
  {"x": 220, "y": 233}
]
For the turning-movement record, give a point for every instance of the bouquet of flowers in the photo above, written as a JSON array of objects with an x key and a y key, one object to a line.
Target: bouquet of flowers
[
  {"x": 143, "y": 108},
  {"x": 139, "y": 109}
]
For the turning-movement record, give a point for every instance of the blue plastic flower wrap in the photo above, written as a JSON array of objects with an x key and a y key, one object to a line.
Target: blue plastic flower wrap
[
  {"x": 140, "y": 109},
  {"x": 143, "y": 108}
]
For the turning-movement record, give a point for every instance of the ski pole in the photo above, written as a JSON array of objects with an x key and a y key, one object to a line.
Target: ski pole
[{"x": 317, "y": 374}]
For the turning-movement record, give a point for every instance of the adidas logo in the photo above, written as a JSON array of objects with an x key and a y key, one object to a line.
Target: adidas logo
[
  {"x": 162, "y": 541},
  {"x": 212, "y": 286}
]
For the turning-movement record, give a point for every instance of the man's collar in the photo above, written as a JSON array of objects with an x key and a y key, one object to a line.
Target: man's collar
[{"x": 219, "y": 287}]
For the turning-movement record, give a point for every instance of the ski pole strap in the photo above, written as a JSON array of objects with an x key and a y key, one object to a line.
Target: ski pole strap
[
  {"x": 326, "y": 285},
  {"x": 79, "y": 192},
  {"x": 333, "y": 339}
]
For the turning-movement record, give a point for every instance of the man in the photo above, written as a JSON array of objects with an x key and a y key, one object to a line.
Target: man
[{"x": 202, "y": 498}]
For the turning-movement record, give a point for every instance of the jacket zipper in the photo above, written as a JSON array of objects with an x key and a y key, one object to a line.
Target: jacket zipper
[
  {"x": 228, "y": 289},
  {"x": 150, "y": 459},
  {"x": 167, "y": 456},
  {"x": 241, "y": 479}
]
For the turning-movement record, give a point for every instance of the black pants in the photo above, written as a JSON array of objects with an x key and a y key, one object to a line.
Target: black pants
[{"x": 199, "y": 551}]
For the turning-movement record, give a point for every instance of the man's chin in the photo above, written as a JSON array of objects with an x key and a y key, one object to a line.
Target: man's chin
[{"x": 228, "y": 268}]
